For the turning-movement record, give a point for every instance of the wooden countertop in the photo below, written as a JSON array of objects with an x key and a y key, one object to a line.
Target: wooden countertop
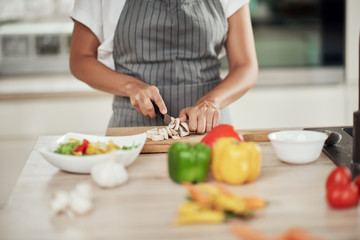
[{"x": 145, "y": 207}]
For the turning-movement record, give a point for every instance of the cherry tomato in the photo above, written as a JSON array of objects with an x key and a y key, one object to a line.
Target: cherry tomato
[
  {"x": 342, "y": 196},
  {"x": 339, "y": 176}
]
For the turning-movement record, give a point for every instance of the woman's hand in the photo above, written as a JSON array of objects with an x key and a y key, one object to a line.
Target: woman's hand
[
  {"x": 203, "y": 116},
  {"x": 141, "y": 95}
]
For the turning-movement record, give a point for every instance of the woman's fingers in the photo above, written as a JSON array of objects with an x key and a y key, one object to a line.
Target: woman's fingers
[
  {"x": 202, "y": 117},
  {"x": 193, "y": 119},
  {"x": 160, "y": 103},
  {"x": 182, "y": 115},
  {"x": 148, "y": 108},
  {"x": 142, "y": 97},
  {"x": 210, "y": 117},
  {"x": 216, "y": 118}
]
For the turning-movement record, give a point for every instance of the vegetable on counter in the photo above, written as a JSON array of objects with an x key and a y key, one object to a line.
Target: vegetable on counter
[
  {"x": 78, "y": 148},
  {"x": 192, "y": 212},
  {"x": 222, "y": 130},
  {"x": 357, "y": 182},
  {"x": 108, "y": 173},
  {"x": 215, "y": 204},
  {"x": 78, "y": 201},
  {"x": 341, "y": 192},
  {"x": 189, "y": 162},
  {"x": 339, "y": 176},
  {"x": 235, "y": 162},
  {"x": 245, "y": 232}
]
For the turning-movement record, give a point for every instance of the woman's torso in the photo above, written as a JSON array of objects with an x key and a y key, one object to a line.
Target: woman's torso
[{"x": 172, "y": 44}]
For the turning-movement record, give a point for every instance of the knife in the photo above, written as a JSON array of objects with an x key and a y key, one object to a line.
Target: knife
[{"x": 166, "y": 117}]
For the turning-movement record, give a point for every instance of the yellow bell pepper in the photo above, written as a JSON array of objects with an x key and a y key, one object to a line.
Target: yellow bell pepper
[{"x": 235, "y": 162}]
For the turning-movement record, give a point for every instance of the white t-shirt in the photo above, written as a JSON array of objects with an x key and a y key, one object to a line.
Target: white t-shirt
[{"x": 101, "y": 17}]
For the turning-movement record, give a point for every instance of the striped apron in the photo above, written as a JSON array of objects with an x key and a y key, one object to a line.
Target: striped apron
[{"x": 173, "y": 45}]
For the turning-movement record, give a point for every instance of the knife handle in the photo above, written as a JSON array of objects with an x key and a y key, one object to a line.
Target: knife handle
[{"x": 157, "y": 110}]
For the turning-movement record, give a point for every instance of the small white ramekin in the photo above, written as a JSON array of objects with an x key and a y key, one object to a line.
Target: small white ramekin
[{"x": 297, "y": 146}]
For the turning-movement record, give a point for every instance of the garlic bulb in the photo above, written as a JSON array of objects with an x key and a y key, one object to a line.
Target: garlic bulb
[
  {"x": 80, "y": 204},
  {"x": 109, "y": 174},
  {"x": 59, "y": 202},
  {"x": 78, "y": 201},
  {"x": 84, "y": 190}
]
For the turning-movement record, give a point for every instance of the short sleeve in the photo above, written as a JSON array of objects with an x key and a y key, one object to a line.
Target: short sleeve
[
  {"x": 88, "y": 12},
  {"x": 231, "y": 6}
]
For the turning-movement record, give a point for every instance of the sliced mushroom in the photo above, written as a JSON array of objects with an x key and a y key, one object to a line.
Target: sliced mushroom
[
  {"x": 164, "y": 133},
  {"x": 160, "y": 132},
  {"x": 174, "y": 133},
  {"x": 177, "y": 124},
  {"x": 172, "y": 125},
  {"x": 183, "y": 132},
  {"x": 175, "y": 130},
  {"x": 151, "y": 132},
  {"x": 157, "y": 138},
  {"x": 185, "y": 126},
  {"x": 168, "y": 131}
]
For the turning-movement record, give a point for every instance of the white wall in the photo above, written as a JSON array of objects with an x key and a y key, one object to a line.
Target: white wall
[
  {"x": 34, "y": 9},
  {"x": 352, "y": 40},
  {"x": 293, "y": 106},
  {"x": 45, "y": 116}
]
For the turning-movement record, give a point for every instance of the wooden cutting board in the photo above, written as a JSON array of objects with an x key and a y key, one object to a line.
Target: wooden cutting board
[{"x": 163, "y": 146}]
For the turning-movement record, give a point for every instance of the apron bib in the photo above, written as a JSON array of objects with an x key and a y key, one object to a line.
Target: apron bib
[{"x": 174, "y": 45}]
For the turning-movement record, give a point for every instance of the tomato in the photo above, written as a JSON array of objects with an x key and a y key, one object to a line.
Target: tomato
[
  {"x": 342, "y": 196},
  {"x": 339, "y": 176},
  {"x": 357, "y": 182}
]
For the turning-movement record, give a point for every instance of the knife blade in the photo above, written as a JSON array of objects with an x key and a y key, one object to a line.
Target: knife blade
[{"x": 166, "y": 117}]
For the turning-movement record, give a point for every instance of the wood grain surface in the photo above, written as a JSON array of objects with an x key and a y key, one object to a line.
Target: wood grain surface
[
  {"x": 146, "y": 205},
  {"x": 164, "y": 145}
]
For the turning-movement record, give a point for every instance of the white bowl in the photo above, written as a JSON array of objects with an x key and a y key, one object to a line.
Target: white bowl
[
  {"x": 297, "y": 147},
  {"x": 83, "y": 164}
]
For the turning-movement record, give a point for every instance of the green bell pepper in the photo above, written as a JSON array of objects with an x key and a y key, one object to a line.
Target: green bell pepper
[{"x": 189, "y": 162}]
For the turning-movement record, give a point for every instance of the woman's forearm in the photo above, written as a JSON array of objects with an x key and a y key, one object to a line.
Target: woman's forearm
[
  {"x": 239, "y": 80},
  {"x": 85, "y": 66},
  {"x": 242, "y": 59},
  {"x": 89, "y": 70}
]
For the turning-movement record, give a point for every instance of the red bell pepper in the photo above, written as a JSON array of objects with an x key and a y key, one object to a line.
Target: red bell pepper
[
  {"x": 222, "y": 130},
  {"x": 82, "y": 147}
]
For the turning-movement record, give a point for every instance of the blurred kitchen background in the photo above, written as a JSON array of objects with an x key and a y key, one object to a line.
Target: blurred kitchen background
[{"x": 307, "y": 51}]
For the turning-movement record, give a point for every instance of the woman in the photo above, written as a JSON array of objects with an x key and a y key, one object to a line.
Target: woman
[{"x": 166, "y": 52}]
